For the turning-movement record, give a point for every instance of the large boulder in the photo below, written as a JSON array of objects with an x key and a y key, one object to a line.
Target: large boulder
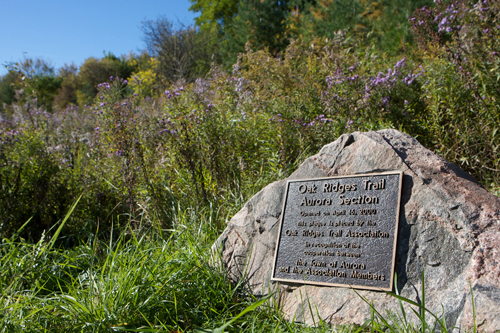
[{"x": 449, "y": 228}]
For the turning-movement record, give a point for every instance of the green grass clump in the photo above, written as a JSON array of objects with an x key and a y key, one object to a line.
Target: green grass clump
[
  {"x": 144, "y": 283},
  {"x": 137, "y": 282}
]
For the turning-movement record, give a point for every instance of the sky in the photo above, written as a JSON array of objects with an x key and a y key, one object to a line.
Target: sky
[{"x": 69, "y": 31}]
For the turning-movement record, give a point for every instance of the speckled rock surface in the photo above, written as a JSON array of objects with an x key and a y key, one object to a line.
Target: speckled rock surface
[{"x": 449, "y": 227}]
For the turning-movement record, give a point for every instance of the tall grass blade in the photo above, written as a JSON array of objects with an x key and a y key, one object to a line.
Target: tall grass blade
[
  {"x": 401, "y": 307},
  {"x": 372, "y": 307},
  {"x": 20, "y": 229},
  {"x": 419, "y": 306},
  {"x": 58, "y": 231},
  {"x": 422, "y": 312},
  {"x": 474, "y": 328},
  {"x": 247, "y": 309}
]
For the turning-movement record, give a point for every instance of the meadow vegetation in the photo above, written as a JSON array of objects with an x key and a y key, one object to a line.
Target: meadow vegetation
[{"x": 115, "y": 178}]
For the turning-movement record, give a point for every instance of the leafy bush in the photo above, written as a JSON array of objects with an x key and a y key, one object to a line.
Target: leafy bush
[{"x": 462, "y": 57}]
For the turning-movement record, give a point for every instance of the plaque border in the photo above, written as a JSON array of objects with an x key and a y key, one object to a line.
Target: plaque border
[{"x": 327, "y": 284}]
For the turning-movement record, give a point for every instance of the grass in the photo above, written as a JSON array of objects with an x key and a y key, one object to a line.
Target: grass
[
  {"x": 144, "y": 281},
  {"x": 400, "y": 322},
  {"x": 137, "y": 280}
]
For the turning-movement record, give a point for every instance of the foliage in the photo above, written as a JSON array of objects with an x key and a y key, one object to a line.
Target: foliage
[
  {"x": 7, "y": 91},
  {"x": 38, "y": 84},
  {"x": 371, "y": 23},
  {"x": 182, "y": 54},
  {"x": 326, "y": 18},
  {"x": 461, "y": 44},
  {"x": 226, "y": 135},
  {"x": 261, "y": 24},
  {"x": 67, "y": 93},
  {"x": 223, "y": 29},
  {"x": 145, "y": 81},
  {"x": 214, "y": 15},
  {"x": 270, "y": 24},
  {"x": 95, "y": 71},
  {"x": 43, "y": 157}
]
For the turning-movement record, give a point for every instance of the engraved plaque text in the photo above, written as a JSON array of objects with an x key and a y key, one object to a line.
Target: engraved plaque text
[{"x": 340, "y": 231}]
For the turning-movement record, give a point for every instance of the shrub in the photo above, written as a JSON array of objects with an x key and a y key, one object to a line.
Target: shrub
[{"x": 461, "y": 41}]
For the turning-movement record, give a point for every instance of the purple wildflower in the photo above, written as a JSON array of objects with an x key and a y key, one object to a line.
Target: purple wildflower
[{"x": 400, "y": 63}]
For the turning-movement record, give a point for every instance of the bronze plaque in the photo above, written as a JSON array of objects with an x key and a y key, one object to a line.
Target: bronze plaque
[{"x": 340, "y": 231}]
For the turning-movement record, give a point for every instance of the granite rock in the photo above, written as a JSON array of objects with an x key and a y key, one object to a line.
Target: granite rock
[{"x": 449, "y": 228}]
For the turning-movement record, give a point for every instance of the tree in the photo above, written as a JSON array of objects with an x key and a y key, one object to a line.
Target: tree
[
  {"x": 183, "y": 54},
  {"x": 95, "y": 71},
  {"x": 144, "y": 81},
  {"x": 38, "y": 81},
  {"x": 46, "y": 87},
  {"x": 7, "y": 91},
  {"x": 327, "y": 17},
  {"x": 30, "y": 67},
  {"x": 261, "y": 24},
  {"x": 381, "y": 23},
  {"x": 215, "y": 15},
  {"x": 67, "y": 93}
]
